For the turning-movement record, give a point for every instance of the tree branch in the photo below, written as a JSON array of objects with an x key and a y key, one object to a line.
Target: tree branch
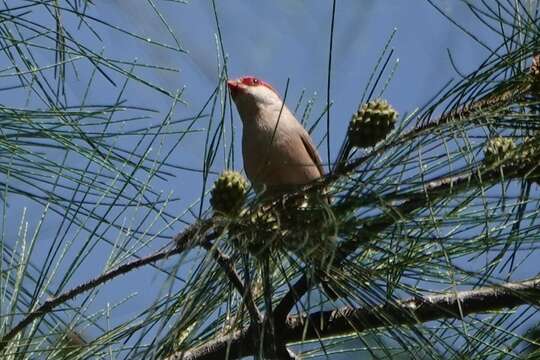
[
  {"x": 183, "y": 241},
  {"x": 347, "y": 320},
  {"x": 448, "y": 305}
]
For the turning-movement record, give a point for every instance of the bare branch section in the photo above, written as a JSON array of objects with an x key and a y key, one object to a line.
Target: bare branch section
[
  {"x": 348, "y": 320},
  {"x": 413, "y": 311}
]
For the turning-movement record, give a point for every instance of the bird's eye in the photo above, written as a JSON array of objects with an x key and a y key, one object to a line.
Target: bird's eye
[{"x": 255, "y": 81}]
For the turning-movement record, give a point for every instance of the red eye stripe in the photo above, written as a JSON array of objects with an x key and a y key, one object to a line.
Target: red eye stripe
[
  {"x": 249, "y": 81},
  {"x": 253, "y": 81}
]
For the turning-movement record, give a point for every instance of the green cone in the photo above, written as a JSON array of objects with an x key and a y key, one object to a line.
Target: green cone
[
  {"x": 229, "y": 193},
  {"x": 372, "y": 123}
]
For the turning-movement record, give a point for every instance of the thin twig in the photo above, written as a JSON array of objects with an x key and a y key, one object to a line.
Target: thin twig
[{"x": 328, "y": 83}]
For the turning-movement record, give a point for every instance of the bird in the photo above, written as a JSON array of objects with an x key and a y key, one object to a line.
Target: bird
[{"x": 278, "y": 152}]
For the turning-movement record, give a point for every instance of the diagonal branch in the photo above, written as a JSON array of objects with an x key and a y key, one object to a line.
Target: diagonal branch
[
  {"x": 451, "y": 305},
  {"x": 183, "y": 241},
  {"x": 50, "y": 304},
  {"x": 349, "y": 320}
]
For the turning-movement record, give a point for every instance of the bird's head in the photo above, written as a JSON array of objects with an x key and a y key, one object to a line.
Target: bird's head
[{"x": 250, "y": 93}]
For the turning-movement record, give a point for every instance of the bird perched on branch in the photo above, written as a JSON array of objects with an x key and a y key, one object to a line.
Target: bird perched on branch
[{"x": 278, "y": 153}]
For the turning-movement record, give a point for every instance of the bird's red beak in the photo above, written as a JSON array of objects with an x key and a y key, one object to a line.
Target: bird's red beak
[{"x": 234, "y": 86}]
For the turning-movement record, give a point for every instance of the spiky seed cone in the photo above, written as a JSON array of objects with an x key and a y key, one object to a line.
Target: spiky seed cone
[
  {"x": 312, "y": 234},
  {"x": 256, "y": 232},
  {"x": 229, "y": 193},
  {"x": 525, "y": 159},
  {"x": 498, "y": 150},
  {"x": 372, "y": 123}
]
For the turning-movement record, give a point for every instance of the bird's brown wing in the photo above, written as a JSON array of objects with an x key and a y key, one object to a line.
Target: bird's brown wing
[{"x": 312, "y": 151}]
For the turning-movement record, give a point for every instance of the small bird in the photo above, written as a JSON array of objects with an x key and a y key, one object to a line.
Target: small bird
[{"x": 278, "y": 152}]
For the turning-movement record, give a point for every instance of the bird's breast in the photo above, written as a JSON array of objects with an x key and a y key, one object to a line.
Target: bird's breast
[{"x": 276, "y": 156}]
